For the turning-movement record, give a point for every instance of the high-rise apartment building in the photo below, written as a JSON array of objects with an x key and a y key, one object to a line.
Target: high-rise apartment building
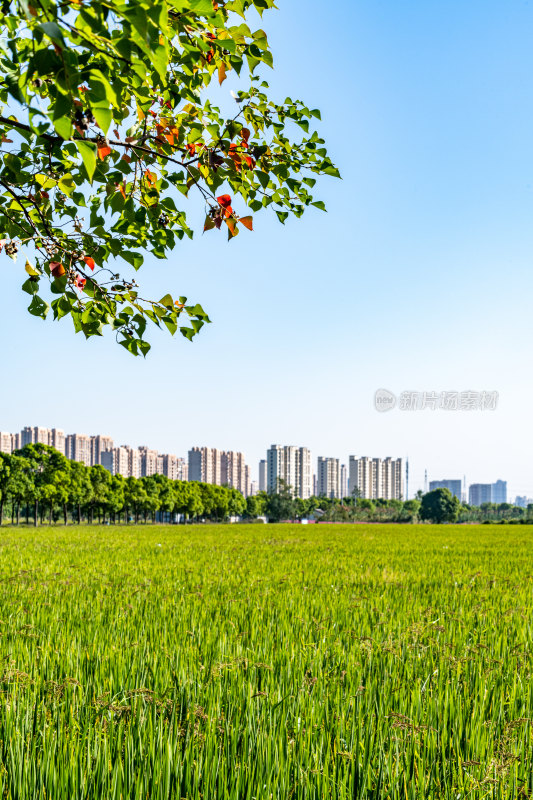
[
  {"x": 263, "y": 475},
  {"x": 328, "y": 477},
  {"x": 6, "y": 442},
  {"x": 479, "y": 493},
  {"x": 174, "y": 468},
  {"x": 78, "y": 448},
  {"x": 455, "y": 487},
  {"x": 99, "y": 445},
  {"x": 58, "y": 440},
  {"x": 134, "y": 462},
  {"x": 374, "y": 478},
  {"x": 344, "y": 481},
  {"x": 234, "y": 472},
  {"x": 205, "y": 465},
  {"x": 148, "y": 462},
  {"x": 35, "y": 435},
  {"x": 292, "y": 465},
  {"x": 499, "y": 492},
  {"x": 116, "y": 461}
]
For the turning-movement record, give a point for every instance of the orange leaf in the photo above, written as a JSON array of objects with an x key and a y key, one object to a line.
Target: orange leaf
[
  {"x": 248, "y": 222},
  {"x": 150, "y": 177},
  {"x": 245, "y": 133},
  {"x": 222, "y": 73},
  {"x": 232, "y": 226},
  {"x": 57, "y": 269},
  {"x": 89, "y": 261},
  {"x": 224, "y": 200},
  {"x": 103, "y": 151}
]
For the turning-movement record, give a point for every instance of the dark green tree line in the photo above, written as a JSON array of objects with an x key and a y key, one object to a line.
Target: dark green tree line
[{"x": 42, "y": 484}]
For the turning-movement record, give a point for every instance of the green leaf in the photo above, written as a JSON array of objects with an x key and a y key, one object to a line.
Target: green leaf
[
  {"x": 38, "y": 307},
  {"x": 53, "y": 31},
  {"x": 103, "y": 116},
  {"x": 167, "y": 301},
  {"x": 64, "y": 127}
]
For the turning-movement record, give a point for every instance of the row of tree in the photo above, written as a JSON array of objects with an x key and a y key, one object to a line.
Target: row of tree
[
  {"x": 437, "y": 506},
  {"x": 38, "y": 482}
]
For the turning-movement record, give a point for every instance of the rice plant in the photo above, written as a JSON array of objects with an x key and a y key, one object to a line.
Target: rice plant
[{"x": 266, "y": 661}]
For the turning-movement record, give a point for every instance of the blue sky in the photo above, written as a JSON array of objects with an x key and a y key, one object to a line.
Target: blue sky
[{"x": 417, "y": 278}]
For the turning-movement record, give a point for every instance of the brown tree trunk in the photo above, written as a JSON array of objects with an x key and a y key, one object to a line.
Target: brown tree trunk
[{"x": 36, "y": 514}]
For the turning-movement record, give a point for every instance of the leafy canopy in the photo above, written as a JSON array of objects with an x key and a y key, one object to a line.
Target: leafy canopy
[{"x": 106, "y": 126}]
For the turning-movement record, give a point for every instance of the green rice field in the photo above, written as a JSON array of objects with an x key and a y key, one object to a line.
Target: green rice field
[{"x": 266, "y": 661}]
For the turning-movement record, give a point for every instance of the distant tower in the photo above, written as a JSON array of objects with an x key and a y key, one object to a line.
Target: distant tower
[
  {"x": 407, "y": 478},
  {"x": 425, "y": 481}
]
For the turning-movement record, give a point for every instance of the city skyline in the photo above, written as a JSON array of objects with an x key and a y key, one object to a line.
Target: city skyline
[{"x": 233, "y": 468}]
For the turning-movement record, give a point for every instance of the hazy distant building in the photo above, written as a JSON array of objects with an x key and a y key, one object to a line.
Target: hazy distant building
[
  {"x": 292, "y": 465},
  {"x": 521, "y": 501},
  {"x": 499, "y": 492},
  {"x": 254, "y": 487},
  {"x": 344, "y": 481},
  {"x": 263, "y": 475},
  {"x": 479, "y": 493},
  {"x": 374, "y": 478},
  {"x": 455, "y": 487},
  {"x": 328, "y": 477}
]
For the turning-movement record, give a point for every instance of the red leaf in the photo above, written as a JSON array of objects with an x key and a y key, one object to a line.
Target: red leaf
[
  {"x": 89, "y": 261},
  {"x": 224, "y": 200},
  {"x": 248, "y": 222},
  {"x": 245, "y": 134}
]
